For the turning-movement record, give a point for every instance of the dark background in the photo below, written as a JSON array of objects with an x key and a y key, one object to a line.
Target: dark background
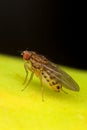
[{"x": 52, "y": 28}]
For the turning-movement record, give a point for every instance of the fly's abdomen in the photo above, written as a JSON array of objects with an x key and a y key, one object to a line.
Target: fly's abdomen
[{"x": 54, "y": 84}]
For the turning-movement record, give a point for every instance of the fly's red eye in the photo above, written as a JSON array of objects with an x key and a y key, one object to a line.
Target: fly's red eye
[{"x": 26, "y": 55}]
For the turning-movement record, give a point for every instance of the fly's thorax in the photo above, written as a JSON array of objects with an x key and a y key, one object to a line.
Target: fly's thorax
[
  {"x": 53, "y": 83},
  {"x": 37, "y": 61},
  {"x": 39, "y": 58},
  {"x": 35, "y": 64}
]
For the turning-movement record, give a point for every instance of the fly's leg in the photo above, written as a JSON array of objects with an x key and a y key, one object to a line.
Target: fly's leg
[
  {"x": 27, "y": 68},
  {"x": 31, "y": 77},
  {"x": 42, "y": 88},
  {"x": 64, "y": 91},
  {"x": 60, "y": 89}
]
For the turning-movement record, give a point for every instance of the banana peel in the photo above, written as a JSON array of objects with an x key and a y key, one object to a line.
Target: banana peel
[{"x": 23, "y": 110}]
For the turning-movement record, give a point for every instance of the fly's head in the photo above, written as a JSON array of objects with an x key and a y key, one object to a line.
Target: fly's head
[{"x": 26, "y": 55}]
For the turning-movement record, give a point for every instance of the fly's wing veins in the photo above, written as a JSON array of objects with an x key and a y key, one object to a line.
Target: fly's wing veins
[{"x": 60, "y": 75}]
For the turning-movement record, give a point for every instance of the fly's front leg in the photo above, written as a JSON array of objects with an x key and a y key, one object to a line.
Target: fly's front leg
[
  {"x": 31, "y": 77},
  {"x": 27, "y": 68}
]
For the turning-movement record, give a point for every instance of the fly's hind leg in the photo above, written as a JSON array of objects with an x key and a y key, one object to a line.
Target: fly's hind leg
[
  {"x": 59, "y": 87},
  {"x": 64, "y": 91}
]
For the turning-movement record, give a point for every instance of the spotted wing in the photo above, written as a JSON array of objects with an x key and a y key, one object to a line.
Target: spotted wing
[{"x": 61, "y": 76}]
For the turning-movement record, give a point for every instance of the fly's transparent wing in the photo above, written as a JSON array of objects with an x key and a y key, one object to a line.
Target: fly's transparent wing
[{"x": 61, "y": 76}]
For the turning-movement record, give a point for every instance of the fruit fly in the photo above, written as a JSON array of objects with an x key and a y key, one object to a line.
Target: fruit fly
[{"x": 43, "y": 68}]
